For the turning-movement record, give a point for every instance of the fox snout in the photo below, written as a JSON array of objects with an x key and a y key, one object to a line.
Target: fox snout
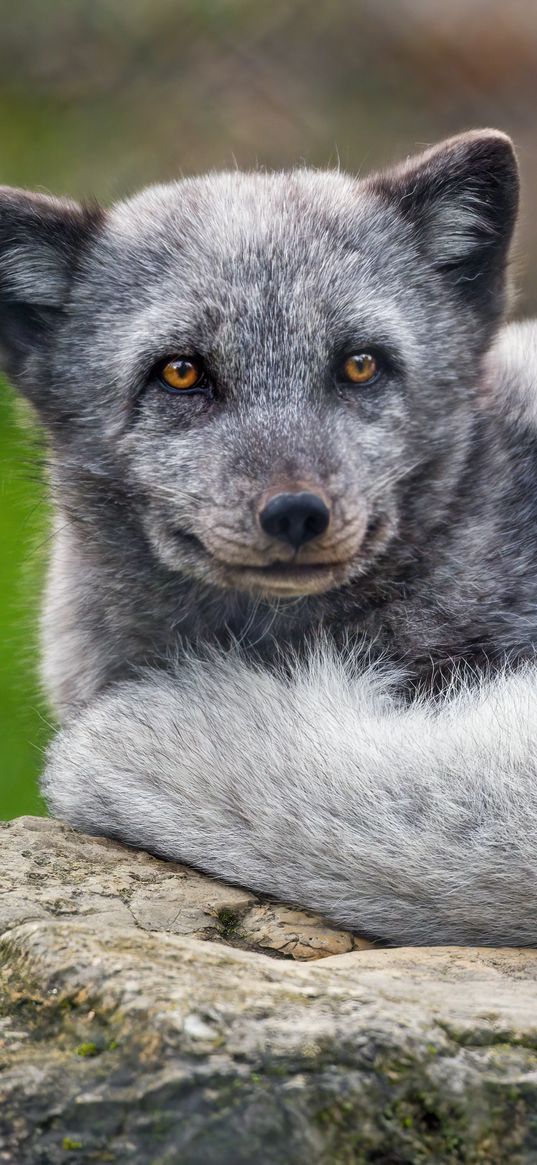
[
  {"x": 294, "y": 517},
  {"x": 301, "y": 541}
]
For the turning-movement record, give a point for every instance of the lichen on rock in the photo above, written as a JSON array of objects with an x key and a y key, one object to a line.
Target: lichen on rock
[{"x": 155, "y": 1036}]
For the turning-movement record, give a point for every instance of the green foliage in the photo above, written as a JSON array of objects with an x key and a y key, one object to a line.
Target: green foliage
[
  {"x": 87, "y": 1049},
  {"x": 24, "y": 729}
]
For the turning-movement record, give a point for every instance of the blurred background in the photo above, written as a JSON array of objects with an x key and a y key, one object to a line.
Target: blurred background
[{"x": 98, "y": 97}]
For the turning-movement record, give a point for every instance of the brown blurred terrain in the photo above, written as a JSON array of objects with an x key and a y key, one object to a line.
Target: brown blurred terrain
[{"x": 98, "y": 97}]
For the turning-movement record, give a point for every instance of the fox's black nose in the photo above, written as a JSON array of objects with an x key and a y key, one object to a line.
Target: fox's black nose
[{"x": 295, "y": 518}]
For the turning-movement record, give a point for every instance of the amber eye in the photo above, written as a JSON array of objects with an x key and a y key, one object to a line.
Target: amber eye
[
  {"x": 181, "y": 374},
  {"x": 361, "y": 368}
]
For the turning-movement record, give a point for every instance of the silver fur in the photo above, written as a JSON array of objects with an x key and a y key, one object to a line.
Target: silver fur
[{"x": 364, "y": 745}]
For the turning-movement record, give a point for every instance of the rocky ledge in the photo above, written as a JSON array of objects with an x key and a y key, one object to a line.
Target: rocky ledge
[{"x": 152, "y": 1016}]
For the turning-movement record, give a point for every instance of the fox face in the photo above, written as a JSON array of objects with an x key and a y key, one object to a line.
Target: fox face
[{"x": 268, "y": 379}]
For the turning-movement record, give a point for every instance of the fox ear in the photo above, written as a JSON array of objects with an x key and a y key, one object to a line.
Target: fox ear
[
  {"x": 462, "y": 199},
  {"x": 41, "y": 239}
]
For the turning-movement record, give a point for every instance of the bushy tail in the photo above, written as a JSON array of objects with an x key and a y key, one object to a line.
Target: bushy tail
[{"x": 411, "y": 823}]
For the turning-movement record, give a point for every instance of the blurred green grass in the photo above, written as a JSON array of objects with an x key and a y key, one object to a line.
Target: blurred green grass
[{"x": 23, "y": 532}]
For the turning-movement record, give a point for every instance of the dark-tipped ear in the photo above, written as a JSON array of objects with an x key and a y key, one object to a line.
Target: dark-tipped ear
[
  {"x": 41, "y": 239},
  {"x": 461, "y": 198}
]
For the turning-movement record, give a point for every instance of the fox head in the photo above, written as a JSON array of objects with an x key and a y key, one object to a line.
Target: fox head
[{"x": 269, "y": 377}]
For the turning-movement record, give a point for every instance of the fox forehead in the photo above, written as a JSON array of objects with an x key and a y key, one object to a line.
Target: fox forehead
[
  {"x": 248, "y": 230},
  {"x": 245, "y": 205},
  {"x": 197, "y": 260}
]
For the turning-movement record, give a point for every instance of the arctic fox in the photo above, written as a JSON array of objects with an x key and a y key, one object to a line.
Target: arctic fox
[{"x": 291, "y": 615}]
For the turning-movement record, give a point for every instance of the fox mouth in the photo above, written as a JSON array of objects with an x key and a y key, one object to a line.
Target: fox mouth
[
  {"x": 291, "y": 577},
  {"x": 282, "y": 578},
  {"x": 277, "y": 578}
]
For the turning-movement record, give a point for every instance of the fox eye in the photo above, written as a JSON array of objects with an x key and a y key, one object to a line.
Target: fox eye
[
  {"x": 181, "y": 374},
  {"x": 360, "y": 368}
]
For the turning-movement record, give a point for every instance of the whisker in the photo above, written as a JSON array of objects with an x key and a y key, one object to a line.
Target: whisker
[{"x": 392, "y": 478}]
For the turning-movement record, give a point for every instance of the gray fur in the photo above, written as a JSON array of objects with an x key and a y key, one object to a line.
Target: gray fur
[
  {"x": 407, "y": 822},
  {"x": 265, "y": 745}
]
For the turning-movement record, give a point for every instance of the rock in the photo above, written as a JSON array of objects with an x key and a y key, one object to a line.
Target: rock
[
  {"x": 296, "y": 933},
  {"x": 51, "y": 871},
  {"x": 136, "y": 1027}
]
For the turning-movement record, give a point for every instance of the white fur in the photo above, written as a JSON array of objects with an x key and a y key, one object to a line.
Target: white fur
[
  {"x": 511, "y": 367},
  {"x": 414, "y": 823}
]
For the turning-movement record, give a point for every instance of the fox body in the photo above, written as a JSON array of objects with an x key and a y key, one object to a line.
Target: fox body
[{"x": 291, "y": 612}]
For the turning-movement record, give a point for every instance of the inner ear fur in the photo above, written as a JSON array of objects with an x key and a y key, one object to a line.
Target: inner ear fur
[
  {"x": 461, "y": 198},
  {"x": 41, "y": 240}
]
